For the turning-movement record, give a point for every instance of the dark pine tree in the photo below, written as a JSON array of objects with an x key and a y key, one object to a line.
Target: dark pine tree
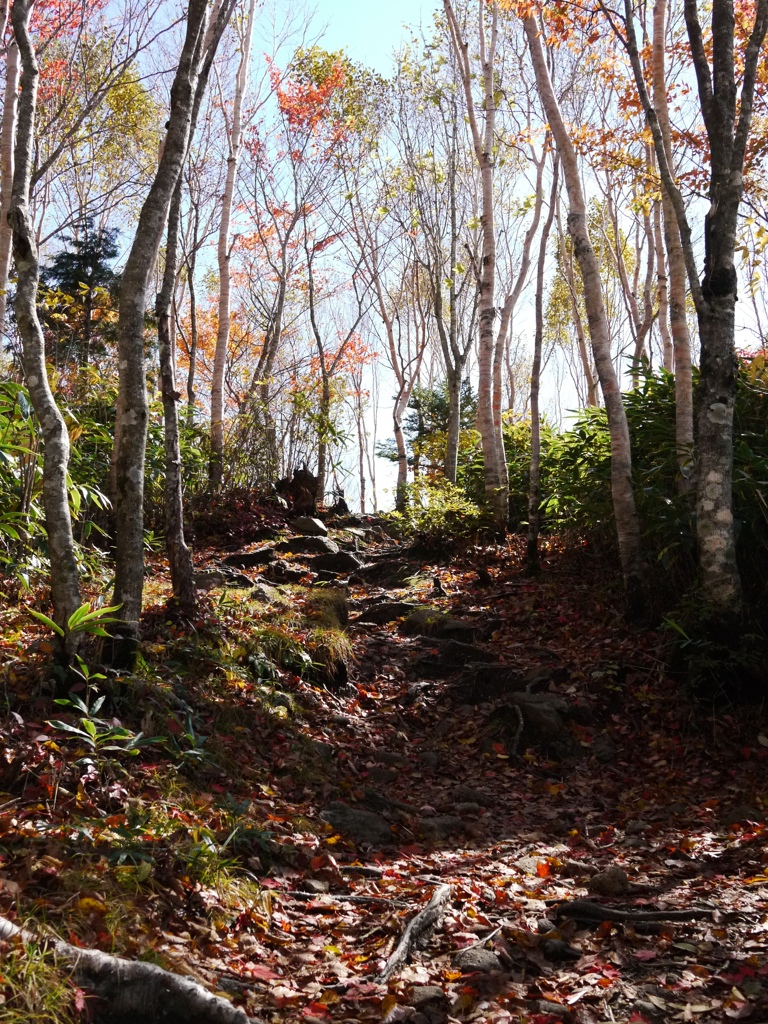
[{"x": 80, "y": 293}]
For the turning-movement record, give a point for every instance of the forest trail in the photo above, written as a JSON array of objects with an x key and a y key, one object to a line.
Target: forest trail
[{"x": 529, "y": 751}]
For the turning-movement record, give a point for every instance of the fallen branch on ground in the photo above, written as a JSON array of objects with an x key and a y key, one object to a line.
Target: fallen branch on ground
[
  {"x": 417, "y": 931},
  {"x": 135, "y": 991}
]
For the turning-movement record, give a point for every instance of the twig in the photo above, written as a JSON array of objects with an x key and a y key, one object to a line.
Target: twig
[
  {"x": 341, "y": 896},
  {"x": 416, "y": 931},
  {"x": 485, "y": 938}
]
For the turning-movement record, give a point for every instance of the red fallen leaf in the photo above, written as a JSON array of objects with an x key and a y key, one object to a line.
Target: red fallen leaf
[
  {"x": 543, "y": 869},
  {"x": 645, "y": 954},
  {"x": 315, "y": 1010},
  {"x": 263, "y": 973},
  {"x": 638, "y": 1018},
  {"x": 79, "y": 1000}
]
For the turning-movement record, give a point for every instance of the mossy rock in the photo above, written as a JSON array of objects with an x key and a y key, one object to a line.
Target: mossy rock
[
  {"x": 328, "y": 607},
  {"x": 434, "y": 623},
  {"x": 331, "y": 658}
]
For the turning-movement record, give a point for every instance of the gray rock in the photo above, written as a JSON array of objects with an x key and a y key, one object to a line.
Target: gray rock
[
  {"x": 324, "y": 750},
  {"x": 744, "y": 812},
  {"x": 308, "y": 546},
  {"x": 387, "y": 612},
  {"x": 342, "y": 562},
  {"x": 440, "y": 827},
  {"x": 387, "y": 572},
  {"x": 207, "y": 579},
  {"x": 467, "y": 809},
  {"x": 604, "y": 749},
  {"x": 309, "y": 526},
  {"x": 281, "y": 572},
  {"x": 430, "y": 758},
  {"x": 237, "y": 579},
  {"x": 466, "y": 794},
  {"x": 447, "y": 656},
  {"x": 364, "y": 827},
  {"x": 633, "y": 828},
  {"x": 383, "y": 776},
  {"x": 422, "y": 995},
  {"x": 434, "y": 623},
  {"x": 250, "y": 559},
  {"x": 391, "y": 757},
  {"x": 477, "y": 959},
  {"x": 613, "y": 881},
  {"x": 263, "y": 592},
  {"x": 316, "y": 885}
]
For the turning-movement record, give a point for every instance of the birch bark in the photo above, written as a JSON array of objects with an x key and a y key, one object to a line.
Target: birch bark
[
  {"x": 727, "y": 120},
  {"x": 625, "y": 511},
  {"x": 131, "y": 426},
  {"x": 65, "y": 590},
  {"x": 678, "y": 320},
  {"x": 497, "y": 494},
  {"x": 7, "y": 140},
  {"x": 224, "y": 254}
]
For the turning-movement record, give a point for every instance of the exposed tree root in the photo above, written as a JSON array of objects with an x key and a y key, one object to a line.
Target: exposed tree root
[
  {"x": 417, "y": 931},
  {"x": 135, "y": 992},
  {"x": 584, "y": 910}
]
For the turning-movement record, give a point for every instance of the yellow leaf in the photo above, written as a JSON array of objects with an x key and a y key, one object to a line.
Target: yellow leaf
[{"x": 388, "y": 1004}]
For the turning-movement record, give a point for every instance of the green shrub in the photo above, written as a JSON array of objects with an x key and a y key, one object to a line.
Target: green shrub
[{"x": 437, "y": 514}]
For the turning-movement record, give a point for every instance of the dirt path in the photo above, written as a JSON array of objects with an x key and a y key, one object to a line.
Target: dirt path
[
  {"x": 531, "y": 753},
  {"x": 643, "y": 787}
]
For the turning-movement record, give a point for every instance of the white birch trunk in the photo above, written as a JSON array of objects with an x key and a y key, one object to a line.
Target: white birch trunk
[
  {"x": 678, "y": 320},
  {"x": 65, "y": 590},
  {"x": 625, "y": 512},
  {"x": 224, "y": 256},
  {"x": 7, "y": 140},
  {"x": 497, "y": 494}
]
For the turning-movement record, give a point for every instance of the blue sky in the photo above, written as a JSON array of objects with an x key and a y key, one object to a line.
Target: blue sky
[{"x": 369, "y": 31}]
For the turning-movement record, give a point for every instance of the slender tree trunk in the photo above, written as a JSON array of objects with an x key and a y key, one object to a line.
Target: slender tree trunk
[
  {"x": 179, "y": 555},
  {"x": 662, "y": 291},
  {"x": 578, "y": 323},
  {"x": 65, "y": 590},
  {"x": 454, "y": 424},
  {"x": 534, "y": 489},
  {"x": 402, "y": 456},
  {"x": 625, "y": 511},
  {"x": 322, "y": 440},
  {"x": 131, "y": 428},
  {"x": 7, "y": 141},
  {"x": 678, "y": 319},
  {"x": 224, "y": 255},
  {"x": 497, "y": 495},
  {"x": 727, "y": 119}
]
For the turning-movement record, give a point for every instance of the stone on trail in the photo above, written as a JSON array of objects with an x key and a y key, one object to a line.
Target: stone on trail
[
  {"x": 447, "y": 656},
  {"x": 342, "y": 562},
  {"x": 611, "y": 882},
  {"x": 468, "y": 794},
  {"x": 364, "y": 827},
  {"x": 434, "y": 623},
  {"x": 250, "y": 559},
  {"x": 440, "y": 827},
  {"x": 380, "y": 614},
  {"x": 308, "y": 546},
  {"x": 477, "y": 959},
  {"x": 309, "y": 526}
]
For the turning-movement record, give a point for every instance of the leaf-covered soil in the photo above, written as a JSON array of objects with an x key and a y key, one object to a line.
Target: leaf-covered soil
[{"x": 212, "y": 852}]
